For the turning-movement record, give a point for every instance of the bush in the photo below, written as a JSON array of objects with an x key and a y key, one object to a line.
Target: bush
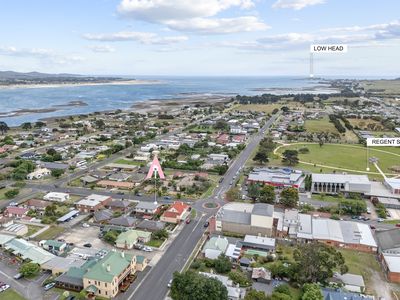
[
  {"x": 11, "y": 193},
  {"x": 29, "y": 270}
]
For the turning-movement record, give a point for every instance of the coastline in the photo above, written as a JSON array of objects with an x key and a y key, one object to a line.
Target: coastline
[{"x": 57, "y": 85}]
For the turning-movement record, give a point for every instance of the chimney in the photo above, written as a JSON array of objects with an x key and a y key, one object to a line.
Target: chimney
[{"x": 108, "y": 268}]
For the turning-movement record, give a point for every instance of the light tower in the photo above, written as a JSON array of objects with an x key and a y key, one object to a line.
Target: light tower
[
  {"x": 311, "y": 65},
  {"x": 155, "y": 169}
]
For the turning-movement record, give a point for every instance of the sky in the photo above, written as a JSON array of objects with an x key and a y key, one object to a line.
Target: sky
[{"x": 200, "y": 37}]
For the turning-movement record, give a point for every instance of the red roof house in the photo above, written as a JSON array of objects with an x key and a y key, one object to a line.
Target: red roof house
[
  {"x": 14, "y": 211},
  {"x": 175, "y": 213}
]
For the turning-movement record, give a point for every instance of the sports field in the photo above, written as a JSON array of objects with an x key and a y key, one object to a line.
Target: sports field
[{"x": 343, "y": 158}]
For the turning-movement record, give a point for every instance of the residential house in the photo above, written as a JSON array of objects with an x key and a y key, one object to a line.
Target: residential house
[
  {"x": 351, "y": 282},
  {"x": 56, "y": 247},
  {"x": 146, "y": 208},
  {"x": 57, "y": 197},
  {"x": 234, "y": 292},
  {"x": 123, "y": 221},
  {"x": 93, "y": 203},
  {"x": 150, "y": 225},
  {"x": 119, "y": 205},
  {"x": 175, "y": 213},
  {"x": 38, "y": 174},
  {"x": 261, "y": 275},
  {"x": 15, "y": 212},
  {"x": 127, "y": 239},
  {"x": 215, "y": 246}
]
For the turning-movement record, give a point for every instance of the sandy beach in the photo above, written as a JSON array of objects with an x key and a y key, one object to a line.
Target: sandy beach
[{"x": 38, "y": 86}]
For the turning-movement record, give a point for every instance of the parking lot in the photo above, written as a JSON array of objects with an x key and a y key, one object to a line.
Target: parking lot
[{"x": 80, "y": 236}]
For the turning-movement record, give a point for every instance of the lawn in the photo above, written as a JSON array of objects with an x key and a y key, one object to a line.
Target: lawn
[
  {"x": 361, "y": 263},
  {"x": 127, "y": 162},
  {"x": 32, "y": 229},
  {"x": 2, "y": 193},
  {"x": 267, "y": 108},
  {"x": 350, "y": 158},
  {"x": 50, "y": 233},
  {"x": 10, "y": 294},
  {"x": 321, "y": 125},
  {"x": 327, "y": 198},
  {"x": 155, "y": 243}
]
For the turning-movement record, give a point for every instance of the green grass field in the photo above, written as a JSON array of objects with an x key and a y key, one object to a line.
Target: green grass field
[
  {"x": 127, "y": 162},
  {"x": 50, "y": 233},
  {"x": 32, "y": 229},
  {"x": 2, "y": 193},
  {"x": 341, "y": 157},
  {"x": 11, "y": 295},
  {"x": 321, "y": 125}
]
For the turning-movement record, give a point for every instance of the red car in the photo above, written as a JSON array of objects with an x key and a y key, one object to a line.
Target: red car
[
  {"x": 398, "y": 225},
  {"x": 188, "y": 220}
]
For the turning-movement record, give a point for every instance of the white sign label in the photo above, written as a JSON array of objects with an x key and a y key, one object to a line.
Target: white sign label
[
  {"x": 385, "y": 142},
  {"x": 328, "y": 48}
]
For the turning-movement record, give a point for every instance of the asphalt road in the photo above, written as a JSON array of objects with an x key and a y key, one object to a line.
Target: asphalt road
[{"x": 154, "y": 285}]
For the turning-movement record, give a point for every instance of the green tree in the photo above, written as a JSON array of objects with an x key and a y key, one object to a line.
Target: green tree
[
  {"x": 11, "y": 193},
  {"x": 29, "y": 269},
  {"x": 3, "y": 127},
  {"x": 161, "y": 234},
  {"x": 111, "y": 236},
  {"x": 57, "y": 173},
  {"x": 239, "y": 277},
  {"x": 290, "y": 157},
  {"x": 312, "y": 291},
  {"x": 261, "y": 157},
  {"x": 289, "y": 197},
  {"x": 316, "y": 262},
  {"x": 233, "y": 194},
  {"x": 253, "y": 191},
  {"x": 193, "y": 286},
  {"x": 26, "y": 125},
  {"x": 267, "y": 194},
  {"x": 222, "y": 264},
  {"x": 255, "y": 295}
]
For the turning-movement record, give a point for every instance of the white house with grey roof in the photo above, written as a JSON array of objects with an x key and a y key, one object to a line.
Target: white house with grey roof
[{"x": 340, "y": 183}]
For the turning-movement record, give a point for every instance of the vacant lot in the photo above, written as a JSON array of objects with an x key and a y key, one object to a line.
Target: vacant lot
[
  {"x": 267, "y": 108},
  {"x": 127, "y": 162},
  {"x": 321, "y": 125},
  {"x": 350, "y": 158},
  {"x": 50, "y": 233},
  {"x": 11, "y": 295},
  {"x": 366, "y": 124}
]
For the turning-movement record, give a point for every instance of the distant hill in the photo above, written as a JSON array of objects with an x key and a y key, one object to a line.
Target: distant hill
[
  {"x": 18, "y": 78},
  {"x": 30, "y": 75}
]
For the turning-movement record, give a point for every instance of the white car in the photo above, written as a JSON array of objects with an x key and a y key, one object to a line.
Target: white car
[
  {"x": 85, "y": 225},
  {"x": 169, "y": 283},
  {"x": 4, "y": 288},
  {"x": 147, "y": 249}
]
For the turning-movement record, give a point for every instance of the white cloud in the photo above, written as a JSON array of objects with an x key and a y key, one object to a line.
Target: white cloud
[
  {"x": 197, "y": 16},
  {"x": 45, "y": 55},
  {"x": 296, "y": 4},
  {"x": 141, "y": 37},
  {"x": 218, "y": 26},
  {"x": 102, "y": 48}
]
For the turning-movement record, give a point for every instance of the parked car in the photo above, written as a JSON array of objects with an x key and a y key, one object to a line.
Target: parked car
[
  {"x": 398, "y": 225},
  {"x": 380, "y": 220},
  {"x": 139, "y": 194},
  {"x": 87, "y": 245},
  {"x": 167, "y": 198},
  {"x": 188, "y": 220},
  {"x": 49, "y": 286},
  {"x": 372, "y": 227},
  {"x": 85, "y": 225},
  {"x": 206, "y": 224},
  {"x": 169, "y": 283},
  {"x": 70, "y": 298},
  {"x": 147, "y": 249},
  {"x": 18, "y": 276},
  {"x": 4, "y": 287},
  {"x": 138, "y": 246}
]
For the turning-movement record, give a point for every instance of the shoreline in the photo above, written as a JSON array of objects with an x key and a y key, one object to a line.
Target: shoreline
[{"x": 58, "y": 85}]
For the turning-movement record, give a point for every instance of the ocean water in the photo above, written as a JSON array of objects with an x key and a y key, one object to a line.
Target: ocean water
[{"x": 111, "y": 97}]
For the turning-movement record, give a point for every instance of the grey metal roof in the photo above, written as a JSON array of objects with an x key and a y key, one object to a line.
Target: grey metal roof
[
  {"x": 263, "y": 209},
  {"x": 235, "y": 216},
  {"x": 123, "y": 221},
  {"x": 388, "y": 239},
  {"x": 151, "y": 225},
  {"x": 102, "y": 215},
  {"x": 339, "y": 295}
]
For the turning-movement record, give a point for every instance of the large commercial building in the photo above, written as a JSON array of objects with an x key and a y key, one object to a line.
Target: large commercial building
[
  {"x": 342, "y": 234},
  {"x": 389, "y": 252},
  {"x": 246, "y": 218},
  {"x": 340, "y": 183},
  {"x": 104, "y": 278},
  {"x": 278, "y": 177}
]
